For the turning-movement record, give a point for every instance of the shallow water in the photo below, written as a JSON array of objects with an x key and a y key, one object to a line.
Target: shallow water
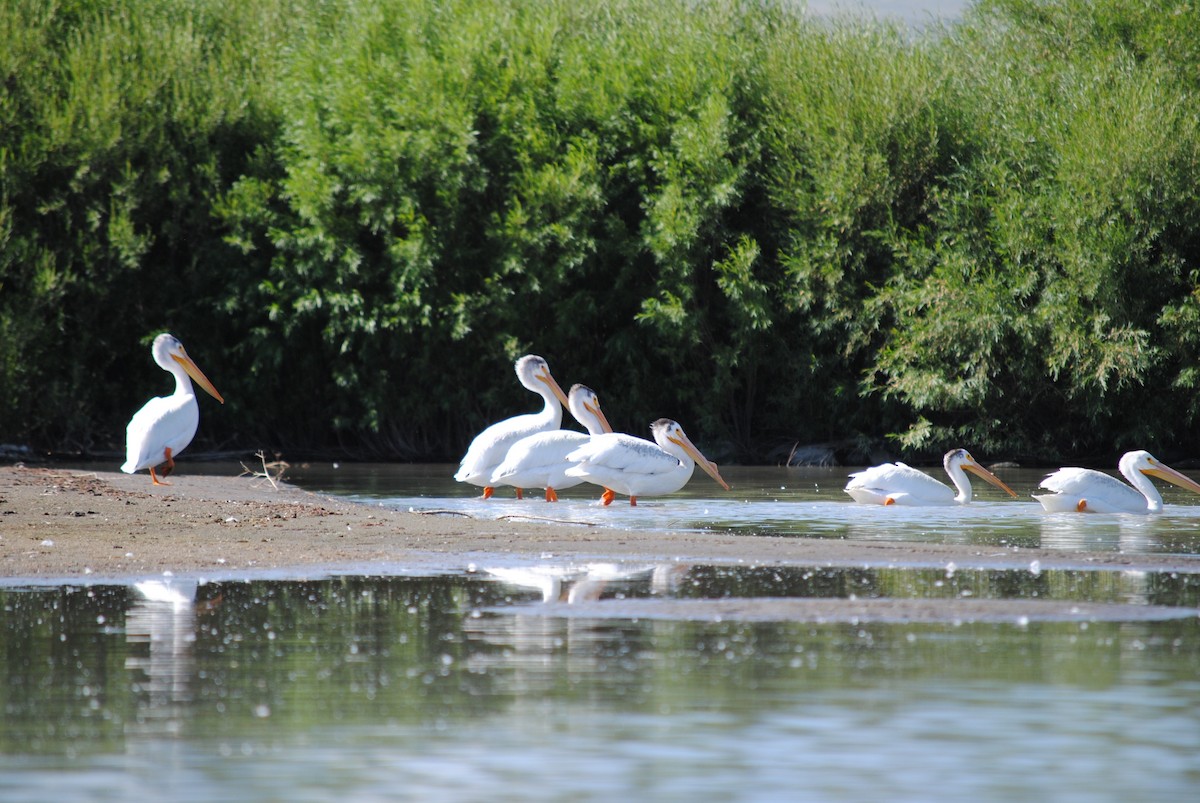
[
  {"x": 788, "y": 502},
  {"x": 555, "y": 681}
]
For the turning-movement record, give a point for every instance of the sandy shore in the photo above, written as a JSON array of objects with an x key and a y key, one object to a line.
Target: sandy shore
[{"x": 57, "y": 523}]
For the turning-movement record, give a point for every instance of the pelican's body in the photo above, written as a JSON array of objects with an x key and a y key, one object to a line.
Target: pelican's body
[
  {"x": 540, "y": 460},
  {"x": 166, "y": 424},
  {"x": 898, "y": 484},
  {"x": 636, "y": 467},
  {"x": 1083, "y": 490},
  {"x": 491, "y": 446}
]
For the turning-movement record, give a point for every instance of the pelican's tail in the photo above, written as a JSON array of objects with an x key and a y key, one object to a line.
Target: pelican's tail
[{"x": 130, "y": 467}]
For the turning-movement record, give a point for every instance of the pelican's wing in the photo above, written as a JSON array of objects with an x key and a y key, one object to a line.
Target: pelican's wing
[
  {"x": 1101, "y": 493},
  {"x": 900, "y": 484},
  {"x": 547, "y": 580},
  {"x": 491, "y": 446},
  {"x": 620, "y": 452},
  {"x": 164, "y": 422},
  {"x": 534, "y": 459}
]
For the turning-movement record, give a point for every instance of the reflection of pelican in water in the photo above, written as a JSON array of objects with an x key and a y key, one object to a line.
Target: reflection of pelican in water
[
  {"x": 163, "y": 617},
  {"x": 1068, "y": 531},
  {"x": 572, "y": 584}
]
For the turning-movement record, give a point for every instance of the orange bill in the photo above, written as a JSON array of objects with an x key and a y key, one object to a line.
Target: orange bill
[
  {"x": 196, "y": 374},
  {"x": 709, "y": 467}
]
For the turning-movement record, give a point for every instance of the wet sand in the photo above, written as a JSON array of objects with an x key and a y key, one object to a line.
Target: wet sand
[{"x": 77, "y": 525}]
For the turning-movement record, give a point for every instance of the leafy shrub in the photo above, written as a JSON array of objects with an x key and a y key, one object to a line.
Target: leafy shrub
[{"x": 772, "y": 228}]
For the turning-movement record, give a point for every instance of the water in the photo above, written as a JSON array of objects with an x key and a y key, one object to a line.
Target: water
[
  {"x": 908, "y": 12},
  {"x": 593, "y": 681},
  {"x": 789, "y": 502}
]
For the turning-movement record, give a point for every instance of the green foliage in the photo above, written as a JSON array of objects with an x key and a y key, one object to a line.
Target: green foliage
[
  {"x": 1034, "y": 311},
  {"x": 122, "y": 122},
  {"x": 771, "y": 228}
]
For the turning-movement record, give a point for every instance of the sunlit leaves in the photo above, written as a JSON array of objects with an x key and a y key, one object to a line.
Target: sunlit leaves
[{"x": 775, "y": 228}]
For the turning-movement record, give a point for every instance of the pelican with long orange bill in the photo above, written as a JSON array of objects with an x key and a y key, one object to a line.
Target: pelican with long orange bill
[
  {"x": 489, "y": 448},
  {"x": 540, "y": 460},
  {"x": 166, "y": 424},
  {"x": 899, "y": 484},
  {"x": 636, "y": 467},
  {"x": 1085, "y": 490}
]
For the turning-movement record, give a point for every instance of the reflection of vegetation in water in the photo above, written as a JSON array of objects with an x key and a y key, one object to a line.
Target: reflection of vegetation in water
[
  {"x": 786, "y": 229},
  {"x": 267, "y": 659},
  {"x": 1154, "y": 588}
]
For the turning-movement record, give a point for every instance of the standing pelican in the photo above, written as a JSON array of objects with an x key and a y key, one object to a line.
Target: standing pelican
[
  {"x": 540, "y": 460},
  {"x": 636, "y": 467},
  {"x": 166, "y": 424},
  {"x": 898, "y": 484},
  {"x": 1084, "y": 490},
  {"x": 490, "y": 446}
]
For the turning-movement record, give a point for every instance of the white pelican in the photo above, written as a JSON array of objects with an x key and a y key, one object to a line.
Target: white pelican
[
  {"x": 540, "y": 460},
  {"x": 1084, "y": 490},
  {"x": 636, "y": 467},
  {"x": 490, "y": 446},
  {"x": 166, "y": 424},
  {"x": 898, "y": 484}
]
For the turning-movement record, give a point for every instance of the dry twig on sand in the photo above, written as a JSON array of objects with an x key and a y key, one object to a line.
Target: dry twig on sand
[{"x": 272, "y": 472}]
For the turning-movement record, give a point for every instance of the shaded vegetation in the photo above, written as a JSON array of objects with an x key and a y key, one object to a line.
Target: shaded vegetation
[{"x": 773, "y": 228}]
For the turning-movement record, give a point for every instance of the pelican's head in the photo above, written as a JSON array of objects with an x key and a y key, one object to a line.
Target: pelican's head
[
  {"x": 534, "y": 373},
  {"x": 963, "y": 459},
  {"x": 669, "y": 434},
  {"x": 1150, "y": 465},
  {"x": 169, "y": 353},
  {"x": 585, "y": 406}
]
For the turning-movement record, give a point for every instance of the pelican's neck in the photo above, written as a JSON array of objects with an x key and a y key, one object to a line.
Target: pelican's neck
[
  {"x": 673, "y": 449},
  {"x": 1145, "y": 487},
  {"x": 551, "y": 414},
  {"x": 959, "y": 478},
  {"x": 183, "y": 382},
  {"x": 591, "y": 422}
]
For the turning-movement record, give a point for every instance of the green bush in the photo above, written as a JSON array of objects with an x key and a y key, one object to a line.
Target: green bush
[
  {"x": 1034, "y": 312},
  {"x": 772, "y": 228},
  {"x": 122, "y": 123}
]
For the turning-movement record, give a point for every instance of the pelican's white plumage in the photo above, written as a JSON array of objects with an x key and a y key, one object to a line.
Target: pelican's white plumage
[
  {"x": 636, "y": 467},
  {"x": 166, "y": 424},
  {"x": 491, "y": 446},
  {"x": 898, "y": 484},
  {"x": 1084, "y": 490},
  {"x": 540, "y": 460}
]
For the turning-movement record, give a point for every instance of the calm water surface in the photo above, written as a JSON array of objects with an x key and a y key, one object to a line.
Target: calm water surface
[
  {"x": 470, "y": 685},
  {"x": 789, "y": 502}
]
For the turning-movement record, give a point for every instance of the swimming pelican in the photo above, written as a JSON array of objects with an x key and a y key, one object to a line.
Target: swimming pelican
[
  {"x": 489, "y": 448},
  {"x": 1084, "y": 490},
  {"x": 166, "y": 424},
  {"x": 637, "y": 467},
  {"x": 540, "y": 460},
  {"x": 898, "y": 484}
]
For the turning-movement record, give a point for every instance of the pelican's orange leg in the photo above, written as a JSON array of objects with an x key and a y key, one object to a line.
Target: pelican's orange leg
[
  {"x": 520, "y": 494},
  {"x": 551, "y": 495},
  {"x": 170, "y": 461},
  {"x": 154, "y": 478},
  {"x": 1082, "y": 506},
  {"x": 633, "y": 501},
  {"x": 488, "y": 491},
  {"x": 607, "y": 497}
]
